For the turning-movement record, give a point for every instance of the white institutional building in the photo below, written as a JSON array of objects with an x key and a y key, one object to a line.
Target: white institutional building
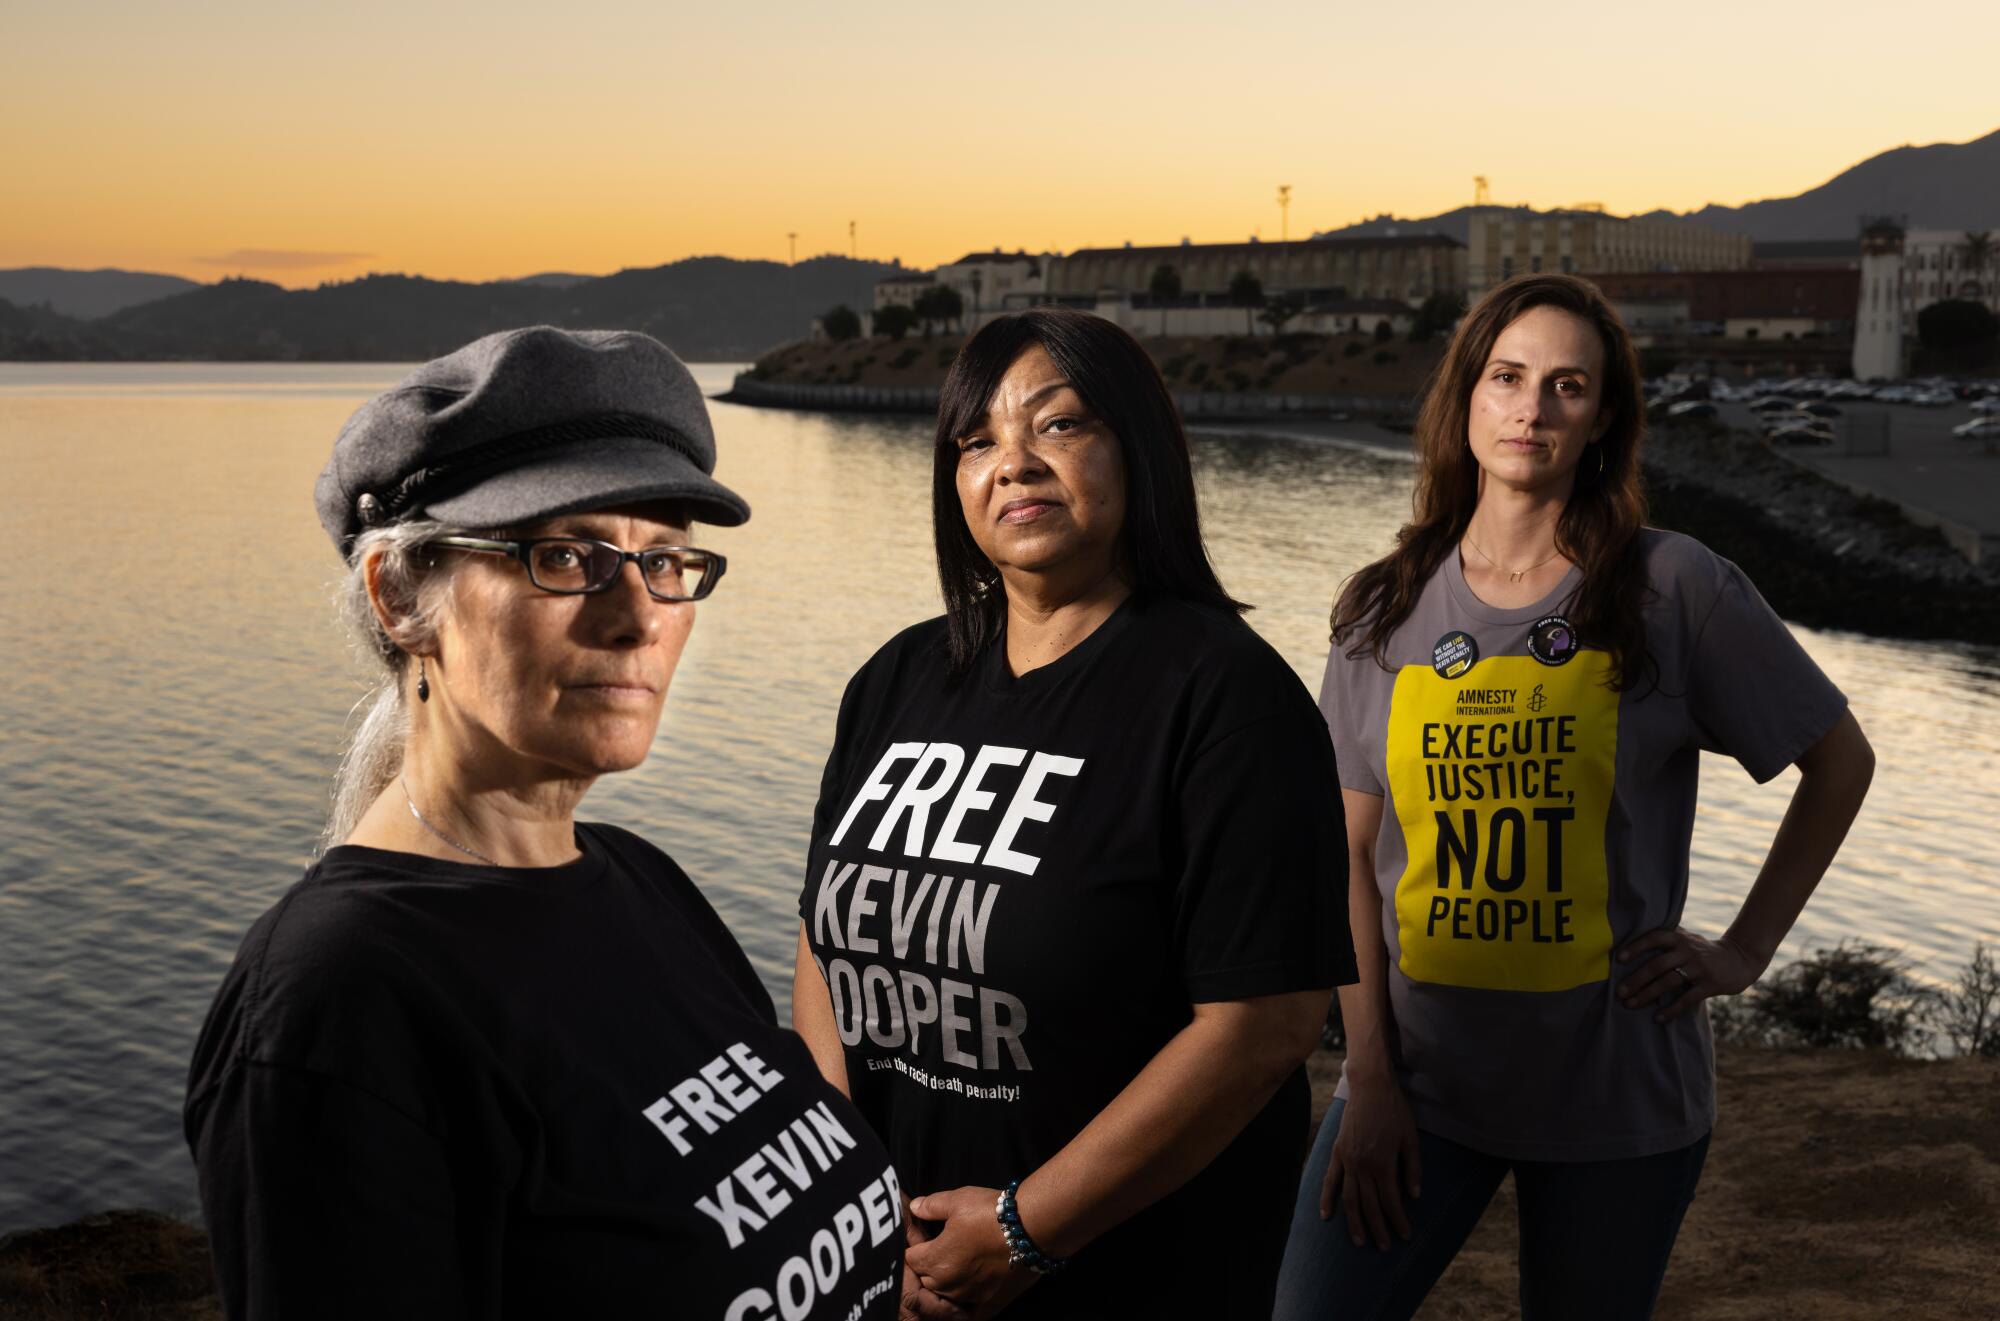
[{"x": 1905, "y": 271}]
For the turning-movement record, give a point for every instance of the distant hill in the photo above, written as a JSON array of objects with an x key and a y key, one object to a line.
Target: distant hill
[
  {"x": 552, "y": 279},
  {"x": 1456, "y": 224},
  {"x": 86, "y": 294},
  {"x": 1949, "y": 185},
  {"x": 705, "y": 307}
]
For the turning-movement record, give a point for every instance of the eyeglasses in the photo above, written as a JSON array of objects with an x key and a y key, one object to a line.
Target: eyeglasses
[{"x": 576, "y": 565}]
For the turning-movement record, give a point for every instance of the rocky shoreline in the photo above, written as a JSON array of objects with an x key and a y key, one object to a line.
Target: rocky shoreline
[{"x": 1823, "y": 555}]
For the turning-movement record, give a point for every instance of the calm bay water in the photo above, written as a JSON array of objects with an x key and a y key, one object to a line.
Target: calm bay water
[{"x": 176, "y": 692}]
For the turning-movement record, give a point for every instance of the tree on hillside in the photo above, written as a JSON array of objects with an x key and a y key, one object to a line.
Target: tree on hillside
[
  {"x": 1959, "y": 335},
  {"x": 1281, "y": 309},
  {"x": 1247, "y": 292},
  {"x": 941, "y": 304},
  {"x": 894, "y": 321},
  {"x": 1165, "y": 286},
  {"x": 1978, "y": 250},
  {"x": 1956, "y": 324},
  {"x": 840, "y": 323},
  {"x": 1437, "y": 316}
]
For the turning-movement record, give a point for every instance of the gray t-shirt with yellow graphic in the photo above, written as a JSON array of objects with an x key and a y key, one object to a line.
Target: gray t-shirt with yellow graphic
[{"x": 1535, "y": 821}]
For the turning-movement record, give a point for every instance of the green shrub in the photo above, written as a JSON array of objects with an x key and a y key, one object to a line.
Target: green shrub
[
  {"x": 1198, "y": 374},
  {"x": 1969, "y": 1013},
  {"x": 905, "y": 358},
  {"x": 1854, "y": 995},
  {"x": 840, "y": 323},
  {"x": 1354, "y": 349},
  {"x": 1383, "y": 357}
]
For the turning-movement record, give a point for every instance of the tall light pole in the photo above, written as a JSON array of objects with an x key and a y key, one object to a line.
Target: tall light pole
[
  {"x": 794, "y": 237},
  {"x": 1285, "y": 232},
  {"x": 853, "y": 247}
]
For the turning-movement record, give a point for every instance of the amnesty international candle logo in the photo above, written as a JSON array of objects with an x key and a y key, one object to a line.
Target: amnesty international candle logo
[{"x": 1502, "y": 782}]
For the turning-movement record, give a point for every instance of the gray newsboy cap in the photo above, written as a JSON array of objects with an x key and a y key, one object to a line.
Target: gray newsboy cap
[{"x": 524, "y": 425}]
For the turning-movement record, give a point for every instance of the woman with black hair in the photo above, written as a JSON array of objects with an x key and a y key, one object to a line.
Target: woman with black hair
[
  {"x": 1074, "y": 904},
  {"x": 1519, "y": 694}
]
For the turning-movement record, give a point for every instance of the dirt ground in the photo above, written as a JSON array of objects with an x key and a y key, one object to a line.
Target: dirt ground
[{"x": 1839, "y": 1184}]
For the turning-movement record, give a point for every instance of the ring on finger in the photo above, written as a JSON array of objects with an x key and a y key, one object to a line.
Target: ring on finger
[{"x": 1685, "y": 979}]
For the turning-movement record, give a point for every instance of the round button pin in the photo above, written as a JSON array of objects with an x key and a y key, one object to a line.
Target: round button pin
[
  {"x": 1552, "y": 640},
  {"x": 1454, "y": 654}
]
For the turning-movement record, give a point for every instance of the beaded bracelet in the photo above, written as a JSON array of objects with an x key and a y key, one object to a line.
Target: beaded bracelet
[{"x": 1021, "y": 1250}]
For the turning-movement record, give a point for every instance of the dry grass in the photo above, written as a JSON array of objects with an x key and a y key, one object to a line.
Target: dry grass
[{"x": 128, "y": 1265}]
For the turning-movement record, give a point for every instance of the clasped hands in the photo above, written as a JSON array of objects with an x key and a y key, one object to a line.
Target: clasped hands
[{"x": 960, "y": 1272}]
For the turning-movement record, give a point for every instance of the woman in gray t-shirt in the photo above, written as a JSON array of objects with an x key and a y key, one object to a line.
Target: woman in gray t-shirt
[{"x": 1518, "y": 695}]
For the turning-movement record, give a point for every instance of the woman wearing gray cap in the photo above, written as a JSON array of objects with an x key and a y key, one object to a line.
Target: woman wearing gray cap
[{"x": 485, "y": 1060}]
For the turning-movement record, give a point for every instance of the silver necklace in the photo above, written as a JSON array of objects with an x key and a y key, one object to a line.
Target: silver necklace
[
  {"x": 1513, "y": 575},
  {"x": 435, "y": 831}
]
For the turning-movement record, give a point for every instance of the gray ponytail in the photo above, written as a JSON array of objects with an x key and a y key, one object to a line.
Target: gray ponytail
[{"x": 417, "y": 590}]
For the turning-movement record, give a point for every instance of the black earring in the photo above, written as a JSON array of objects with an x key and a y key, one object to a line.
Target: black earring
[{"x": 423, "y": 682}]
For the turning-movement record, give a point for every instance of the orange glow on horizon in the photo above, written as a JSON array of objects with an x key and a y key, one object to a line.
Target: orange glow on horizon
[{"x": 301, "y": 146}]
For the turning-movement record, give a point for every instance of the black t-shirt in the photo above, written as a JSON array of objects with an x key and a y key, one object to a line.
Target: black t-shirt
[
  {"x": 1019, "y": 886},
  {"x": 429, "y": 1089}
]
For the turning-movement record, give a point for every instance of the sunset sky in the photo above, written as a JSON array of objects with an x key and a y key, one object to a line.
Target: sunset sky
[{"x": 300, "y": 143}]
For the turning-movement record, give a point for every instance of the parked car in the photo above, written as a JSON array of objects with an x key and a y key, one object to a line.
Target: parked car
[
  {"x": 1979, "y": 428},
  {"x": 1801, "y": 434},
  {"x": 1820, "y": 408},
  {"x": 1934, "y": 399},
  {"x": 1692, "y": 408},
  {"x": 1772, "y": 404},
  {"x": 1990, "y": 404}
]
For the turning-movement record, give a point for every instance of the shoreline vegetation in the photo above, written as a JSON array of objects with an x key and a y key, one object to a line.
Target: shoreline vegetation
[
  {"x": 1825, "y": 556},
  {"x": 1847, "y": 1178}
]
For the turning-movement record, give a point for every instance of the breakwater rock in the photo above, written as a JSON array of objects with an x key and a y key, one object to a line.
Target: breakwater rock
[
  {"x": 1823, "y": 555},
  {"x": 923, "y": 399}
]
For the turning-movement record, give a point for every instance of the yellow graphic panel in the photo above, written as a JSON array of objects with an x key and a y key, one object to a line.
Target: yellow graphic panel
[{"x": 1502, "y": 781}]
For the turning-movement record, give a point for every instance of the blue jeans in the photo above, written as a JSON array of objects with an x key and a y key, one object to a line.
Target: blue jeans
[{"x": 1595, "y": 1235}]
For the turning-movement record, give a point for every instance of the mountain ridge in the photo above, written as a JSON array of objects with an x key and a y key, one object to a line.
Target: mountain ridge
[
  {"x": 704, "y": 307},
  {"x": 1943, "y": 185}
]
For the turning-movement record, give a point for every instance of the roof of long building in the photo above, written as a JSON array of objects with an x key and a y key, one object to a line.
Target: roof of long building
[{"x": 1295, "y": 245}]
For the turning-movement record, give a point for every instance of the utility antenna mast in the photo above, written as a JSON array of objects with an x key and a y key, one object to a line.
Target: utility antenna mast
[
  {"x": 1481, "y": 195},
  {"x": 793, "y": 235},
  {"x": 1285, "y": 233},
  {"x": 853, "y": 246}
]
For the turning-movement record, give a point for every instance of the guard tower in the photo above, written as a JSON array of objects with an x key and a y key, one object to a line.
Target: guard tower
[{"x": 1878, "y": 320}]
